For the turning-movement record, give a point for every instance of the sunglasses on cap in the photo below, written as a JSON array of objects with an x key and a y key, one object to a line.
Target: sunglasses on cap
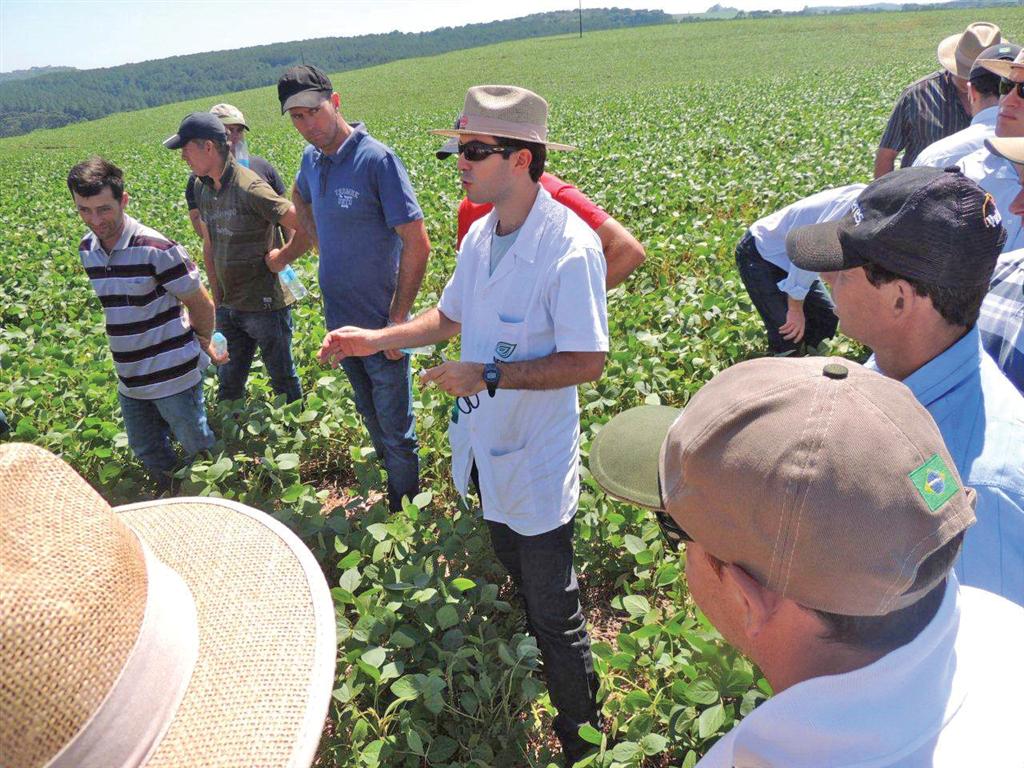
[
  {"x": 1006, "y": 85},
  {"x": 670, "y": 529},
  {"x": 475, "y": 151}
]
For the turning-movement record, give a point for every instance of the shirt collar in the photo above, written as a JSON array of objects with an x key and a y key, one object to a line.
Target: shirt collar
[
  {"x": 987, "y": 116},
  {"x": 945, "y": 372},
  {"x": 130, "y": 228},
  {"x": 225, "y": 178},
  {"x": 921, "y": 671},
  {"x": 347, "y": 146}
]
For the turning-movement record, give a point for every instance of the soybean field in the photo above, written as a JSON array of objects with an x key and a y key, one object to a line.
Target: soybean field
[{"x": 686, "y": 134}]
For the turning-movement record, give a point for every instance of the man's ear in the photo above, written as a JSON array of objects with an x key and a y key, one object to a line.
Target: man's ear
[
  {"x": 124, "y": 199},
  {"x": 759, "y": 604},
  {"x": 336, "y": 100},
  {"x": 523, "y": 159}
]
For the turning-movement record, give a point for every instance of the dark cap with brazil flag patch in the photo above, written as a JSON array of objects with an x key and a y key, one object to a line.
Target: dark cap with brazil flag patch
[{"x": 827, "y": 482}]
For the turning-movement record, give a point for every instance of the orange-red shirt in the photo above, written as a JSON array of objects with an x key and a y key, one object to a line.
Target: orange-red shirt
[{"x": 561, "y": 191}]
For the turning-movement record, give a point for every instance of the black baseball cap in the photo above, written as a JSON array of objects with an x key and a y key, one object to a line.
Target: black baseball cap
[
  {"x": 303, "y": 86},
  {"x": 926, "y": 224},
  {"x": 198, "y": 125},
  {"x": 1002, "y": 52}
]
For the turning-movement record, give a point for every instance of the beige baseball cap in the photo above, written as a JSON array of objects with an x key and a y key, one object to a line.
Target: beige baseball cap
[
  {"x": 829, "y": 483},
  {"x": 504, "y": 111},
  {"x": 957, "y": 52},
  {"x": 1009, "y": 147},
  {"x": 1004, "y": 68},
  {"x": 229, "y": 115}
]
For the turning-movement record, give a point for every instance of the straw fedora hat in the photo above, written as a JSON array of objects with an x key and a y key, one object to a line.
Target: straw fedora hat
[
  {"x": 185, "y": 633},
  {"x": 506, "y": 112},
  {"x": 1004, "y": 68},
  {"x": 958, "y": 52}
]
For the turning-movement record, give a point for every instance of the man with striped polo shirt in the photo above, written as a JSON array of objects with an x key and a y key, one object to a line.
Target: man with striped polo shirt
[{"x": 143, "y": 281}]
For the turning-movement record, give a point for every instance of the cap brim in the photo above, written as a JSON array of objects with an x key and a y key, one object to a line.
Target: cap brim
[
  {"x": 262, "y": 684},
  {"x": 625, "y": 454},
  {"x": 1001, "y": 67},
  {"x": 1009, "y": 147},
  {"x": 456, "y": 133},
  {"x": 450, "y": 147},
  {"x": 174, "y": 142},
  {"x": 307, "y": 99},
  {"x": 816, "y": 248}
]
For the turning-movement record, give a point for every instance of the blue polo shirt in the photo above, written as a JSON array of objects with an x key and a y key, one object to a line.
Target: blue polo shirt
[
  {"x": 358, "y": 196},
  {"x": 981, "y": 417}
]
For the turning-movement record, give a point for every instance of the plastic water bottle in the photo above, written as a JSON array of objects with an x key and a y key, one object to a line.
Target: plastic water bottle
[
  {"x": 218, "y": 344},
  {"x": 291, "y": 283},
  {"x": 242, "y": 153},
  {"x": 427, "y": 350}
]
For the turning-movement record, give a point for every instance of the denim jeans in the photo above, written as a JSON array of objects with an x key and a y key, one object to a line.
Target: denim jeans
[
  {"x": 761, "y": 279},
  {"x": 382, "y": 390},
  {"x": 542, "y": 570},
  {"x": 150, "y": 424},
  {"x": 244, "y": 331}
]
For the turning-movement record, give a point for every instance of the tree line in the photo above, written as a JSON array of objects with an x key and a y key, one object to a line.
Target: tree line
[{"x": 56, "y": 99}]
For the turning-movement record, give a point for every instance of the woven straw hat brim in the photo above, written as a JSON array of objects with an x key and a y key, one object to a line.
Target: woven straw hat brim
[
  {"x": 261, "y": 687},
  {"x": 451, "y": 132}
]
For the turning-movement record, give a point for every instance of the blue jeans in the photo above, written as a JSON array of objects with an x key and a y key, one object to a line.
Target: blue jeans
[
  {"x": 150, "y": 424},
  {"x": 382, "y": 390},
  {"x": 272, "y": 332},
  {"x": 761, "y": 279},
  {"x": 542, "y": 569}
]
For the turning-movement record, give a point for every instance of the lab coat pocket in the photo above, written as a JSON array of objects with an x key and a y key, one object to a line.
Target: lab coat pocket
[
  {"x": 513, "y": 482},
  {"x": 510, "y": 343}
]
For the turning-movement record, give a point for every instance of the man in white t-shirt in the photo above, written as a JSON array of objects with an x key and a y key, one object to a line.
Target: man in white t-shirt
[
  {"x": 528, "y": 298},
  {"x": 822, "y": 515},
  {"x": 793, "y": 303},
  {"x": 983, "y": 98}
]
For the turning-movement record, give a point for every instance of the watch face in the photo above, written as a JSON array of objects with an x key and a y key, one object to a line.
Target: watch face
[{"x": 491, "y": 374}]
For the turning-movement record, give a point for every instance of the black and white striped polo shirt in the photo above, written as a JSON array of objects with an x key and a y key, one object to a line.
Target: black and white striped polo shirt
[{"x": 155, "y": 351}]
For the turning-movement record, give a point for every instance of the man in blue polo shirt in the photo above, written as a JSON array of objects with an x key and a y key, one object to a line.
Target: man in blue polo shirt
[
  {"x": 354, "y": 197},
  {"x": 909, "y": 267}
]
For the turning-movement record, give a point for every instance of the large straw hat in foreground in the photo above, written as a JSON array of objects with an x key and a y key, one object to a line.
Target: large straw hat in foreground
[{"x": 186, "y": 632}]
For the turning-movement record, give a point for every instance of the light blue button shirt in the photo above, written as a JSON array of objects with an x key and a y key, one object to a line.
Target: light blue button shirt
[
  {"x": 981, "y": 417},
  {"x": 952, "y": 149}
]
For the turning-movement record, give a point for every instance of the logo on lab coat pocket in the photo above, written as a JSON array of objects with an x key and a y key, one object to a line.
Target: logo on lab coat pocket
[{"x": 504, "y": 349}]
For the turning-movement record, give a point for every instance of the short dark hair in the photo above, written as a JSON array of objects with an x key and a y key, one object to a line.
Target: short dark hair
[
  {"x": 957, "y": 306},
  {"x": 222, "y": 147},
  {"x": 538, "y": 154},
  {"x": 985, "y": 83},
  {"x": 893, "y": 630},
  {"x": 90, "y": 176}
]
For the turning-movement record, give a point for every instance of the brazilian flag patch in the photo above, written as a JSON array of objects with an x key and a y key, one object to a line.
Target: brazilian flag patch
[{"x": 934, "y": 482}]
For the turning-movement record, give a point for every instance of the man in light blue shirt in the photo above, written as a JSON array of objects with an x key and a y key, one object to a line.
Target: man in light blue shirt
[
  {"x": 909, "y": 267},
  {"x": 983, "y": 96}
]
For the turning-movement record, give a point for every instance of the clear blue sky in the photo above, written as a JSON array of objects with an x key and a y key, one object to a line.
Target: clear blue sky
[{"x": 104, "y": 33}]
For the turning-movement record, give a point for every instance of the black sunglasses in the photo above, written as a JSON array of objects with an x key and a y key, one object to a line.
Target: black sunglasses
[
  {"x": 475, "y": 151},
  {"x": 670, "y": 529},
  {"x": 1006, "y": 85}
]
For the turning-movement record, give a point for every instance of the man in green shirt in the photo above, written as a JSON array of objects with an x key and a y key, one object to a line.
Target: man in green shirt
[{"x": 239, "y": 213}]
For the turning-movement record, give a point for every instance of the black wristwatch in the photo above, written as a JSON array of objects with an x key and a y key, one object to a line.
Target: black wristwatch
[{"x": 492, "y": 375}]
